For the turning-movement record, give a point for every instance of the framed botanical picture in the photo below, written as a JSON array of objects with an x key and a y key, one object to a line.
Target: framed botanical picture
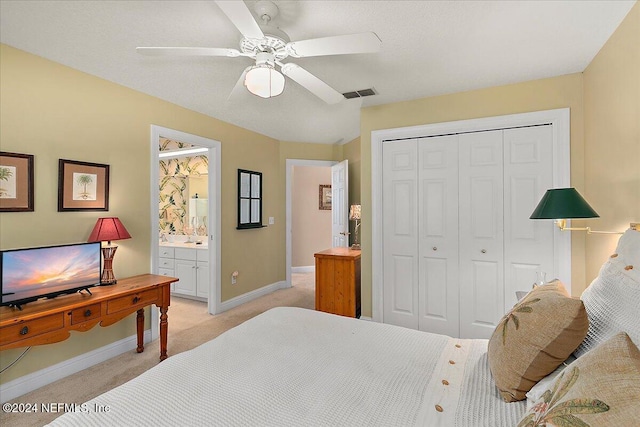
[
  {"x": 16, "y": 182},
  {"x": 325, "y": 198},
  {"x": 82, "y": 186}
]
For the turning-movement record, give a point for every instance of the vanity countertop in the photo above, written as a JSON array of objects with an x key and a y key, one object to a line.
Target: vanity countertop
[{"x": 202, "y": 246}]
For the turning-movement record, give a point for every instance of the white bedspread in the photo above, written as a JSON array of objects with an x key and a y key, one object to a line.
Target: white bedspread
[{"x": 297, "y": 367}]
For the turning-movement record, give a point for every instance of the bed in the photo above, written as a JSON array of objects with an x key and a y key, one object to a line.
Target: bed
[
  {"x": 297, "y": 367},
  {"x": 292, "y": 366}
]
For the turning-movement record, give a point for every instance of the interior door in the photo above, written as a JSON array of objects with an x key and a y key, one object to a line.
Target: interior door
[{"x": 340, "y": 204}]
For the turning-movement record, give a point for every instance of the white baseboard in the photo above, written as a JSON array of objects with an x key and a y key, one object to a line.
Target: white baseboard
[
  {"x": 35, "y": 380},
  {"x": 367, "y": 318},
  {"x": 305, "y": 269},
  {"x": 250, "y": 296}
]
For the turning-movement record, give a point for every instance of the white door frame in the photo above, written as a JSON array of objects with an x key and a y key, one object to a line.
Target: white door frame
[
  {"x": 559, "y": 118},
  {"x": 213, "y": 225},
  {"x": 290, "y": 163}
]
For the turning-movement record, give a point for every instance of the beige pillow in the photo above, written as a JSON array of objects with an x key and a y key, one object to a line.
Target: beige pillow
[
  {"x": 534, "y": 338},
  {"x": 601, "y": 388}
]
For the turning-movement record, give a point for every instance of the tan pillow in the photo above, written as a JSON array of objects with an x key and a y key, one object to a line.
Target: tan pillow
[
  {"x": 534, "y": 338},
  {"x": 601, "y": 388}
]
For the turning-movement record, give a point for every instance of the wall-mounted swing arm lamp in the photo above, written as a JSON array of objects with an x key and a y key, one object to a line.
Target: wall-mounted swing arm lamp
[{"x": 561, "y": 204}]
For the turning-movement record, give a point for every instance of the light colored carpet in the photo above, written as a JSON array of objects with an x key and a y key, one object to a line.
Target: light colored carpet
[{"x": 189, "y": 326}]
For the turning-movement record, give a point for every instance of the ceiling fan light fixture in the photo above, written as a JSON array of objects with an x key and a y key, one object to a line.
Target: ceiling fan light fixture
[{"x": 264, "y": 81}]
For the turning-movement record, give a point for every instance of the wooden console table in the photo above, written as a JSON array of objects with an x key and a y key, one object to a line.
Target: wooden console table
[{"x": 48, "y": 321}]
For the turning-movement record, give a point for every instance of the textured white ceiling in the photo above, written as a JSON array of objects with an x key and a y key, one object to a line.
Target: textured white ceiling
[{"x": 428, "y": 48}]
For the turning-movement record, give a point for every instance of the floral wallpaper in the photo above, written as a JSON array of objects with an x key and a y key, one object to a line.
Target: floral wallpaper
[{"x": 174, "y": 177}]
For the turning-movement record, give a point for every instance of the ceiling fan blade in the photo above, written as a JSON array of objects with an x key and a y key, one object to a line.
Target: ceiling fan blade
[
  {"x": 336, "y": 45},
  {"x": 239, "y": 84},
  {"x": 241, "y": 17},
  {"x": 188, "y": 51},
  {"x": 311, "y": 83}
]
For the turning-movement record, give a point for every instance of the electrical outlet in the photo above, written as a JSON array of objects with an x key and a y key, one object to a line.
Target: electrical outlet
[
  {"x": 272, "y": 220},
  {"x": 234, "y": 277}
]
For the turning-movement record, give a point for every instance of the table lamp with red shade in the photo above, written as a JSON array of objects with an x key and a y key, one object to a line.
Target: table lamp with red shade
[{"x": 106, "y": 230}]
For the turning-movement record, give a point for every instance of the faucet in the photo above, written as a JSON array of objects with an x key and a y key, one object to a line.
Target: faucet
[{"x": 163, "y": 236}]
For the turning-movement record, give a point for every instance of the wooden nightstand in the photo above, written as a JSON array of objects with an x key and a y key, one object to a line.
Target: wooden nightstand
[{"x": 338, "y": 281}]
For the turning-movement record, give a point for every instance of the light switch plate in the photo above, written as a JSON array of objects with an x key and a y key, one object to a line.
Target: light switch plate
[{"x": 272, "y": 220}]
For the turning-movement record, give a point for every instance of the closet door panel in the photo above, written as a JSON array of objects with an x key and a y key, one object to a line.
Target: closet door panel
[
  {"x": 438, "y": 227},
  {"x": 528, "y": 170},
  {"x": 400, "y": 233},
  {"x": 485, "y": 292},
  {"x": 481, "y": 219}
]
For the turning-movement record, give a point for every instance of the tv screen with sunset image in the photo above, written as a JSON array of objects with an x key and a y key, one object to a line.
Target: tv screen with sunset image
[{"x": 32, "y": 273}]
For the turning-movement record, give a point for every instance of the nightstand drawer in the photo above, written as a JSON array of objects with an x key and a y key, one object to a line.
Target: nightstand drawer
[
  {"x": 31, "y": 328},
  {"x": 139, "y": 300},
  {"x": 83, "y": 314},
  {"x": 166, "y": 263}
]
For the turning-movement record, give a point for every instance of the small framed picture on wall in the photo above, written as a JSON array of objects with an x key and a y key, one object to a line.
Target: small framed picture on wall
[
  {"x": 16, "y": 182},
  {"x": 324, "y": 203},
  {"x": 82, "y": 186}
]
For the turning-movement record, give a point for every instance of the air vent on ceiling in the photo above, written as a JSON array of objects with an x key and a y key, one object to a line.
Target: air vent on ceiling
[{"x": 359, "y": 93}]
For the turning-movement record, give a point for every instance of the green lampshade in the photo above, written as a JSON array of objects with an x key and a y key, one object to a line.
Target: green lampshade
[{"x": 563, "y": 203}]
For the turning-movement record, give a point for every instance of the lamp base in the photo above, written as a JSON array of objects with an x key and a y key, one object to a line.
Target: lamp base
[
  {"x": 356, "y": 246},
  {"x": 108, "y": 278}
]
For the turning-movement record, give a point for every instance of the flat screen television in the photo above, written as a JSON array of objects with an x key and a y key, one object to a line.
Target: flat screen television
[{"x": 45, "y": 272}]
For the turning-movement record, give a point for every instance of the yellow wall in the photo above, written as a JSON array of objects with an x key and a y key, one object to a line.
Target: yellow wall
[
  {"x": 612, "y": 138},
  {"x": 53, "y": 112},
  {"x": 546, "y": 94}
]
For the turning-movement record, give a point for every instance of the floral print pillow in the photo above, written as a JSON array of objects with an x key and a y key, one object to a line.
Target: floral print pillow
[{"x": 602, "y": 388}]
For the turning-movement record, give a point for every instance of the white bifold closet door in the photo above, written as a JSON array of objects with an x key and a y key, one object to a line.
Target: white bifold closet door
[
  {"x": 458, "y": 241},
  {"x": 481, "y": 222},
  {"x": 438, "y": 235},
  {"x": 400, "y": 224}
]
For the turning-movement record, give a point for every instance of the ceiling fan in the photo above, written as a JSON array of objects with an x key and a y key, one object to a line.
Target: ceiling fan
[{"x": 269, "y": 46}]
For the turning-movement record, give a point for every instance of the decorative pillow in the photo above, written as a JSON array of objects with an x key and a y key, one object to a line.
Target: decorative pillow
[
  {"x": 613, "y": 298},
  {"x": 534, "y": 338},
  {"x": 541, "y": 386},
  {"x": 602, "y": 389}
]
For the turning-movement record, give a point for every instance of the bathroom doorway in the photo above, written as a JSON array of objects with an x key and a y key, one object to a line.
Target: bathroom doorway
[{"x": 185, "y": 216}]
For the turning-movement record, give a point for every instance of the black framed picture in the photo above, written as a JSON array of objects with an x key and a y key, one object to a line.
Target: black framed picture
[
  {"x": 16, "y": 182},
  {"x": 82, "y": 186}
]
